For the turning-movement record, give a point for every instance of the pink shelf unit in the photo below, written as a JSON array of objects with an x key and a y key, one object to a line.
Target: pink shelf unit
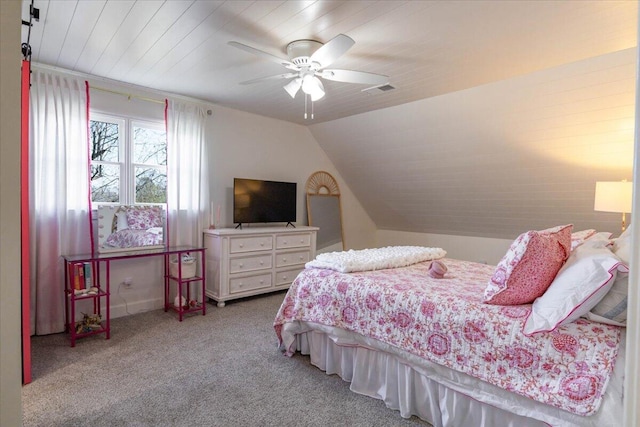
[
  {"x": 184, "y": 283},
  {"x": 101, "y": 277}
]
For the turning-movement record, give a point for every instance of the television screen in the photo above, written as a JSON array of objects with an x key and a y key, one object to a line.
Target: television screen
[{"x": 263, "y": 201}]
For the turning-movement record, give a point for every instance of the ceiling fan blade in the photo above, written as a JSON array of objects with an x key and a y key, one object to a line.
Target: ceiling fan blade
[
  {"x": 349, "y": 76},
  {"x": 265, "y": 55},
  {"x": 276, "y": 77},
  {"x": 332, "y": 50}
]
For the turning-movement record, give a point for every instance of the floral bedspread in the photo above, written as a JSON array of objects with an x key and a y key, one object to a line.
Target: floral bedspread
[
  {"x": 446, "y": 322},
  {"x": 130, "y": 238}
]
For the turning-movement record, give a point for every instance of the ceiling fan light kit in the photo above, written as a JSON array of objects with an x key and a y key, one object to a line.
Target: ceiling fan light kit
[
  {"x": 313, "y": 87},
  {"x": 307, "y": 60},
  {"x": 293, "y": 86}
]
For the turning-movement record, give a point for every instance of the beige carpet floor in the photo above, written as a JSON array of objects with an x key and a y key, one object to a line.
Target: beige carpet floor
[{"x": 222, "y": 369}]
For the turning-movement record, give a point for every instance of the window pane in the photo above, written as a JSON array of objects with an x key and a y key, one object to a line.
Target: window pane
[
  {"x": 105, "y": 183},
  {"x": 151, "y": 185},
  {"x": 104, "y": 141},
  {"x": 149, "y": 146}
]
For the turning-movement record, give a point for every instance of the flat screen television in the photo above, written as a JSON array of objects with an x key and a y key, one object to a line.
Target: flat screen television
[{"x": 258, "y": 201}]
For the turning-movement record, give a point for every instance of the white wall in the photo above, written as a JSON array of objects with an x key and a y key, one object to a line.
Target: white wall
[
  {"x": 246, "y": 145},
  {"x": 477, "y": 249},
  {"x": 10, "y": 291}
]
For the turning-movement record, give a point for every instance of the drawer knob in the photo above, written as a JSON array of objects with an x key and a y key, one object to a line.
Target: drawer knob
[
  {"x": 241, "y": 265},
  {"x": 284, "y": 260},
  {"x": 285, "y": 277},
  {"x": 241, "y": 245},
  {"x": 300, "y": 257},
  {"x": 261, "y": 281},
  {"x": 261, "y": 243},
  {"x": 261, "y": 262}
]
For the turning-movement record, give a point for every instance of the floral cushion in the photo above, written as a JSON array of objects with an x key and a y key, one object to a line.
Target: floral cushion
[
  {"x": 144, "y": 218},
  {"x": 529, "y": 266}
]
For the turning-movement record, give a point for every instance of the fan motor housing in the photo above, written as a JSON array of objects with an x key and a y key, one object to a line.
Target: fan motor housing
[{"x": 299, "y": 51}]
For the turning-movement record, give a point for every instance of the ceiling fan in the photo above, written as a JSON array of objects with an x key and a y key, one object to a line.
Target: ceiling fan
[{"x": 307, "y": 61}]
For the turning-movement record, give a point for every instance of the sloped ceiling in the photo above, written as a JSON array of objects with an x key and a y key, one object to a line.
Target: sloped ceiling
[
  {"x": 498, "y": 159},
  {"x": 504, "y": 113}
]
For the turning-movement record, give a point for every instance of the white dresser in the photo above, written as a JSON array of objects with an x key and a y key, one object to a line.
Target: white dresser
[{"x": 255, "y": 260}]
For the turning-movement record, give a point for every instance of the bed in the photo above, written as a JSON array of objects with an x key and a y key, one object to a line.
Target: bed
[
  {"x": 128, "y": 228},
  {"x": 432, "y": 345}
]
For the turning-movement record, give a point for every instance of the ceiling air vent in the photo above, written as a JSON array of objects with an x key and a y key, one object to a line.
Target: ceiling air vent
[{"x": 378, "y": 89}]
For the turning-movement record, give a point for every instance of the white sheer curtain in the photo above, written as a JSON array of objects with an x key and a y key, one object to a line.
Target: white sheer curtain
[
  {"x": 187, "y": 173},
  {"x": 59, "y": 193}
]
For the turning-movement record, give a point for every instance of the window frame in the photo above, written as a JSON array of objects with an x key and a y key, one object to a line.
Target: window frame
[{"x": 127, "y": 167}]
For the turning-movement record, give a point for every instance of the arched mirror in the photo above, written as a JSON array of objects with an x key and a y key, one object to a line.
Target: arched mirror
[{"x": 324, "y": 211}]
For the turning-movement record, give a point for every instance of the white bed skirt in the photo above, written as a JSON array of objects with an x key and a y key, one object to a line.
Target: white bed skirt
[{"x": 442, "y": 397}]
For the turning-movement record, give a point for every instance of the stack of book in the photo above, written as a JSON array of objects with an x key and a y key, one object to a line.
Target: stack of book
[{"x": 81, "y": 278}]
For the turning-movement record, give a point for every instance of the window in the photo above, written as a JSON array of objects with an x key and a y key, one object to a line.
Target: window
[{"x": 128, "y": 160}]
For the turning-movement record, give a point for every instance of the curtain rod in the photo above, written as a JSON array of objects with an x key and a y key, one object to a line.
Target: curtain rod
[{"x": 128, "y": 95}]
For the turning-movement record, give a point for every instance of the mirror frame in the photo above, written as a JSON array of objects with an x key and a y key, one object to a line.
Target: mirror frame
[{"x": 323, "y": 184}]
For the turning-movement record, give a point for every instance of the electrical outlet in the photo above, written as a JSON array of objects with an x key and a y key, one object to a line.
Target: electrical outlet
[{"x": 128, "y": 282}]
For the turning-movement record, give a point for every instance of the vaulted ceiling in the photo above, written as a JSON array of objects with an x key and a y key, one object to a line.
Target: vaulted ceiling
[{"x": 427, "y": 48}]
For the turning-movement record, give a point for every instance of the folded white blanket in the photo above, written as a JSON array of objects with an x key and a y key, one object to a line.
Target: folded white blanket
[{"x": 375, "y": 259}]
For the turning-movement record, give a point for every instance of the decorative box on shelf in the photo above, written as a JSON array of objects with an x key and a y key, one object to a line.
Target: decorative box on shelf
[{"x": 188, "y": 267}]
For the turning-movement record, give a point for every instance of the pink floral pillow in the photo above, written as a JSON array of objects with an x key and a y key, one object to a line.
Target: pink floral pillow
[
  {"x": 529, "y": 266},
  {"x": 144, "y": 218}
]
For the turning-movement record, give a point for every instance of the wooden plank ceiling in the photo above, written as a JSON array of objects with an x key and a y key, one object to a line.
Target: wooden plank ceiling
[{"x": 427, "y": 48}]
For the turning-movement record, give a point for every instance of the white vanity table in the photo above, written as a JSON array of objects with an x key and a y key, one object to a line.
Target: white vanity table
[{"x": 256, "y": 260}]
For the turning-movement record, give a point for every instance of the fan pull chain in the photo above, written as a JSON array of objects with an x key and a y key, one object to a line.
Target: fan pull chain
[
  {"x": 306, "y": 101},
  {"x": 305, "y": 106}
]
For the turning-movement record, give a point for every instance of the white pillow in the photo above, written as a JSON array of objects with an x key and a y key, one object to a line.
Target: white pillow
[
  {"x": 578, "y": 237},
  {"x": 580, "y": 284},
  {"x": 612, "y": 309},
  {"x": 121, "y": 223},
  {"x": 622, "y": 246}
]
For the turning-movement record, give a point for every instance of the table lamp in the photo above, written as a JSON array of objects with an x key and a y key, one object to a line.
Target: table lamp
[{"x": 614, "y": 196}]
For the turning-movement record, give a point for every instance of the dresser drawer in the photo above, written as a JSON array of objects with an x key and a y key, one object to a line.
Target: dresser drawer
[
  {"x": 286, "y": 277},
  {"x": 292, "y": 258},
  {"x": 250, "y": 244},
  {"x": 293, "y": 241},
  {"x": 241, "y": 284},
  {"x": 260, "y": 262}
]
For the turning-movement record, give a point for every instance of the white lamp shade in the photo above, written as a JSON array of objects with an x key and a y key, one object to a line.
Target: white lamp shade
[
  {"x": 613, "y": 196},
  {"x": 293, "y": 87},
  {"x": 312, "y": 86}
]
